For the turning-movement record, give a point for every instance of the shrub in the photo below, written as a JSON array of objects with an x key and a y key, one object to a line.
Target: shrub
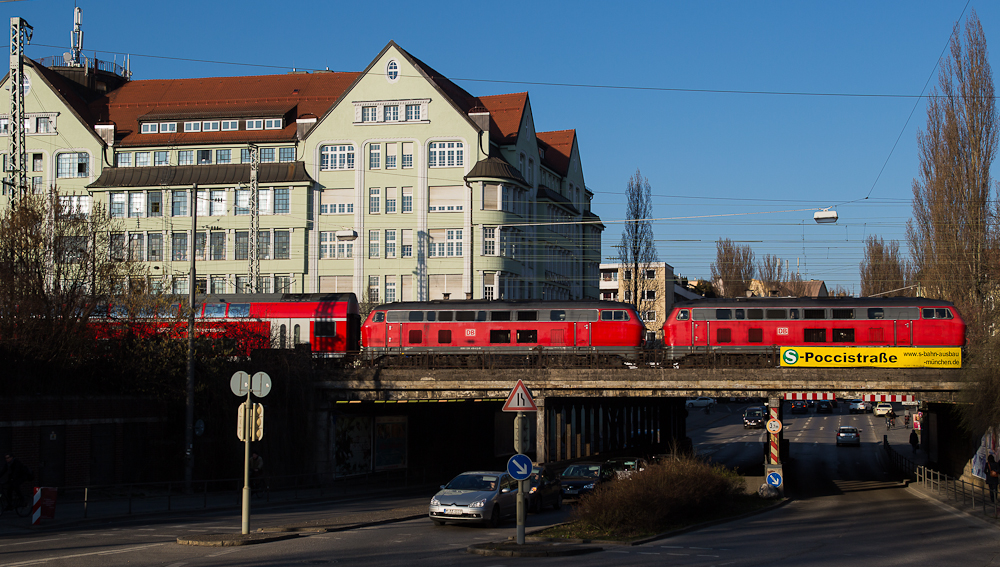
[{"x": 659, "y": 496}]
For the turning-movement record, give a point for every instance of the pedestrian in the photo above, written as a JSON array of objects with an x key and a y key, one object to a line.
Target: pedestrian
[
  {"x": 914, "y": 441},
  {"x": 992, "y": 476}
]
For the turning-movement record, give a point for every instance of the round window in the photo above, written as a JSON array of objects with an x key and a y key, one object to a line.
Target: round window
[{"x": 392, "y": 71}]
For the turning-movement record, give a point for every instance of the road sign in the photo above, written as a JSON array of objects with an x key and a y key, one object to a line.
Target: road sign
[
  {"x": 519, "y": 467},
  {"x": 240, "y": 383},
  {"x": 520, "y": 399},
  {"x": 774, "y": 426},
  {"x": 774, "y": 479},
  {"x": 260, "y": 384}
]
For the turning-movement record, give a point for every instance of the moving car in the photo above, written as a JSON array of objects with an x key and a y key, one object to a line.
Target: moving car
[
  {"x": 800, "y": 406},
  {"x": 848, "y": 435},
  {"x": 754, "y": 417},
  {"x": 858, "y": 406},
  {"x": 699, "y": 403},
  {"x": 824, "y": 407},
  {"x": 882, "y": 408},
  {"x": 581, "y": 478},
  {"x": 475, "y": 496},
  {"x": 546, "y": 489}
]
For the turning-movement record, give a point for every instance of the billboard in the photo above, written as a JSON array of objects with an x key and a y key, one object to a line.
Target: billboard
[{"x": 870, "y": 357}]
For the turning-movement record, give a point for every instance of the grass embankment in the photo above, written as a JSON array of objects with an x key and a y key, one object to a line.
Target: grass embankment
[{"x": 663, "y": 497}]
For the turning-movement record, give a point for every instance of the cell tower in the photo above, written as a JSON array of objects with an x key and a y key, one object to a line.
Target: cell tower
[{"x": 20, "y": 35}]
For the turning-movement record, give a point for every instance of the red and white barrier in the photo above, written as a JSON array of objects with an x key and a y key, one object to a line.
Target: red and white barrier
[
  {"x": 810, "y": 396},
  {"x": 889, "y": 398},
  {"x": 43, "y": 505}
]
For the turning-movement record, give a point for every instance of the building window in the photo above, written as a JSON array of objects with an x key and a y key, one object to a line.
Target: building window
[
  {"x": 161, "y": 158},
  {"x": 407, "y": 199},
  {"x": 136, "y": 246},
  {"x": 374, "y": 200},
  {"x": 283, "y": 284},
  {"x": 273, "y": 124},
  {"x": 390, "y": 200},
  {"x": 374, "y": 156},
  {"x": 184, "y": 157},
  {"x": 391, "y": 113},
  {"x": 4, "y": 126},
  {"x": 286, "y": 154},
  {"x": 73, "y": 165},
  {"x": 179, "y": 246},
  {"x": 218, "y": 246},
  {"x": 204, "y": 157},
  {"x": 179, "y": 206},
  {"x": 142, "y": 159},
  {"x": 327, "y": 245},
  {"x": 37, "y": 184},
  {"x": 148, "y": 128},
  {"x": 369, "y": 113},
  {"x": 445, "y": 243},
  {"x": 245, "y": 156},
  {"x": 123, "y": 160},
  {"x": 230, "y": 125},
  {"x": 263, "y": 284},
  {"x": 217, "y": 204},
  {"x": 116, "y": 247},
  {"x": 489, "y": 292},
  {"x": 36, "y": 162},
  {"x": 281, "y": 206},
  {"x": 266, "y": 155},
  {"x": 154, "y": 251},
  {"x": 345, "y": 249},
  {"x": 392, "y": 70},
  {"x": 255, "y": 124},
  {"x": 117, "y": 209},
  {"x": 211, "y": 126},
  {"x": 282, "y": 245},
  {"x": 489, "y": 241},
  {"x": 168, "y": 127},
  {"x": 223, "y": 156},
  {"x": 649, "y": 316},
  {"x": 413, "y": 112},
  {"x": 264, "y": 245},
  {"x": 154, "y": 204},
  {"x": 136, "y": 204},
  {"x": 650, "y": 274},
  {"x": 264, "y": 201},
  {"x": 390, "y": 291},
  {"x": 242, "y": 250},
  {"x": 200, "y": 239},
  {"x": 446, "y": 154},
  {"x": 373, "y": 244},
  {"x": 649, "y": 294},
  {"x": 336, "y": 157},
  {"x": 390, "y": 243},
  {"x": 373, "y": 289},
  {"x": 192, "y": 126},
  {"x": 242, "y": 205},
  {"x": 42, "y": 125},
  {"x": 407, "y": 161},
  {"x": 218, "y": 284}
]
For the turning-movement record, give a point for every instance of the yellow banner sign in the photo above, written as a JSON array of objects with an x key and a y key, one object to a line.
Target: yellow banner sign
[{"x": 871, "y": 357}]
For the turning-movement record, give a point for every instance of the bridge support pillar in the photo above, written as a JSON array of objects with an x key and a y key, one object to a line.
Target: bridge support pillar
[{"x": 541, "y": 447}]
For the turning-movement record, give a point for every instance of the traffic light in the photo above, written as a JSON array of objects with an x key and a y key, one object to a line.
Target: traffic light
[
  {"x": 257, "y": 423},
  {"x": 241, "y": 422}
]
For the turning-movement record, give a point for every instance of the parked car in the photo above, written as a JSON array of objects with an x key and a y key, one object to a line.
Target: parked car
[
  {"x": 800, "y": 406},
  {"x": 848, "y": 435},
  {"x": 582, "y": 478},
  {"x": 882, "y": 408},
  {"x": 623, "y": 468},
  {"x": 824, "y": 407},
  {"x": 476, "y": 496},
  {"x": 754, "y": 417},
  {"x": 699, "y": 403},
  {"x": 546, "y": 489}
]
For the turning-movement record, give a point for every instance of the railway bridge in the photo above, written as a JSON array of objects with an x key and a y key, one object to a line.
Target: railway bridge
[{"x": 581, "y": 412}]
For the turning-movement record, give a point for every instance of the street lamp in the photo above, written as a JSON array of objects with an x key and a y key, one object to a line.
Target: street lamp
[{"x": 825, "y": 216}]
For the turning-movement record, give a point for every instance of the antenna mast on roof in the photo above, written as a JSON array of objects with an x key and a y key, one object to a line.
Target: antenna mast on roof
[
  {"x": 20, "y": 35},
  {"x": 76, "y": 37}
]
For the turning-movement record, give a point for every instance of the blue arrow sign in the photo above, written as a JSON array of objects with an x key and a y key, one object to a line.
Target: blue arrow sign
[
  {"x": 519, "y": 467},
  {"x": 774, "y": 479}
]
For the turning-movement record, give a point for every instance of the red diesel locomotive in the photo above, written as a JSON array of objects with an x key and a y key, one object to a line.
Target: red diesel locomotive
[
  {"x": 513, "y": 327},
  {"x": 760, "y": 325}
]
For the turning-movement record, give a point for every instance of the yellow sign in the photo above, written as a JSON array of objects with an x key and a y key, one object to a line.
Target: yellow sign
[{"x": 871, "y": 357}]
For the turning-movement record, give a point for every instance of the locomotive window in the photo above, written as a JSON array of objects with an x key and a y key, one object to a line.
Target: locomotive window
[
  {"x": 525, "y": 336},
  {"x": 700, "y": 314},
  {"x": 876, "y": 313},
  {"x": 583, "y": 315},
  {"x": 500, "y": 316},
  {"x": 499, "y": 336},
  {"x": 416, "y": 336},
  {"x": 723, "y": 335},
  {"x": 379, "y": 317},
  {"x": 755, "y": 314},
  {"x": 415, "y": 316},
  {"x": 446, "y": 316},
  {"x": 793, "y": 313},
  {"x": 777, "y": 314},
  {"x": 527, "y": 315},
  {"x": 557, "y": 315},
  {"x": 755, "y": 335},
  {"x": 607, "y": 316},
  {"x": 942, "y": 314},
  {"x": 815, "y": 314},
  {"x": 843, "y": 314},
  {"x": 843, "y": 335},
  {"x": 739, "y": 314},
  {"x": 465, "y": 315},
  {"x": 215, "y": 310},
  {"x": 814, "y": 336},
  {"x": 444, "y": 337},
  {"x": 397, "y": 316},
  {"x": 325, "y": 329},
  {"x": 431, "y": 315},
  {"x": 722, "y": 314},
  {"x": 239, "y": 309},
  {"x": 682, "y": 315},
  {"x": 480, "y": 315}
]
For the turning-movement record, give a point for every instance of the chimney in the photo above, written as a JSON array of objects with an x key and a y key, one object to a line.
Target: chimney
[{"x": 481, "y": 117}]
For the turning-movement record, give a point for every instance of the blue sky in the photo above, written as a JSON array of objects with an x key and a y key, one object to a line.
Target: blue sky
[{"x": 704, "y": 153}]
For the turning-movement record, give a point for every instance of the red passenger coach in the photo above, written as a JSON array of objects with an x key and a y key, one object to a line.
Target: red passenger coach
[
  {"x": 503, "y": 326},
  {"x": 759, "y": 325},
  {"x": 328, "y": 323}
]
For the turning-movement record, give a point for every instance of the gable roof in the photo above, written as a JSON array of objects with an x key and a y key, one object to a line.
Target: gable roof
[
  {"x": 262, "y": 96},
  {"x": 506, "y": 115},
  {"x": 557, "y": 148}
]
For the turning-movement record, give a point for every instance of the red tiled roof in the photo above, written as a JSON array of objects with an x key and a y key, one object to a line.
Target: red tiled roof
[
  {"x": 558, "y": 147},
  {"x": 304, "y": 93},
  {"x": 506, "y": 113}
]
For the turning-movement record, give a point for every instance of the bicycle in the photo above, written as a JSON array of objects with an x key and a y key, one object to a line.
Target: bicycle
[{"x": 21, "y": 504}]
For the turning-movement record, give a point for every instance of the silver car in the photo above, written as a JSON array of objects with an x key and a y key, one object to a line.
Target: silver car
[
  {"x": 848, "y": 435},
  {"x": 477, "y": 496}
]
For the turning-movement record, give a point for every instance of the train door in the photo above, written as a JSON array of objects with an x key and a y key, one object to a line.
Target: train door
[
  {"x": 583, "y": 334},
  {"x": 699, "y": 333},
  {"x": 393, "y": 335},
  {"x": 904, "y": 317}
]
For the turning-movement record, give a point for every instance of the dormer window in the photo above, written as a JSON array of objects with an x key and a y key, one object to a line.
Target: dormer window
[
  {"x": 150, "y": 128},
  {"x": 273, "y": 124},
  {"x": 212, "y": 126},
  {"x": 230, "y": 125},
  {"x": 257, "y": 124},
  {"x": 167, "y": 127},
  {"x": 192, "y": 126}
]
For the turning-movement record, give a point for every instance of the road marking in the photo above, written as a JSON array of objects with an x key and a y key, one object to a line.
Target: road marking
[
  {"x": 93, "y": 553},
  {"x": 708, "y": 556},
  {"x": 647, "y": 553},
  {"x": 680, "y": 554},
  {"x": 176, "y": 564},
  {"x": 226, "y": 552},
  {"x": 32, "y": 541}
]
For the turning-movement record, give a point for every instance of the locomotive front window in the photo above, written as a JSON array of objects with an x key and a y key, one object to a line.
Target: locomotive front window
[
  {"x": 755, "y": 314},
  {"x": 446, "y": 316},
  {"x": 415, "y": 316},
  {"x": 843, "y": 335},
  {"x": 942, "y": 314},
  {"x": 557, "y": 315},
  {"x": 326, "y": 328},
  {"x": 682, "y": 315},
  {"x": 444, "y": 337},
  {"x": 814, "y": 336},
  {"x": 876, "y": 313},
  {"x": 739, "y": 314},
  {"x": 526, "y": 336},
  {"x": 499, "y": 336},
  {"x": 755, "y": 335},
  {"x": 527, "y": 315},
  {"x": 815, "y": 313},
  {"x": 607, "y": 316},
  {"x": 777, "y": 314},
  {"x": 465, "y": 315},
  {"x": 723, "y": 314},
  {"x": 239, "y": 309},
  {"x": 843, "y": 314},
  {"x": 500, "y": 316},
  {"x": 379, "y": 317},
  {"x": 215, "y": 310}
]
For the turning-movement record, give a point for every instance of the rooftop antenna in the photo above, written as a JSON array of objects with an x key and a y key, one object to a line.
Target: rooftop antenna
[{"x": 76, "y": 36}]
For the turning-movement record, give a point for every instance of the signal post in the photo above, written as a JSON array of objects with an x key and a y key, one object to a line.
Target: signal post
[
  {"x": 519, "y": 466},
  {"x": 249, "y": 426}
]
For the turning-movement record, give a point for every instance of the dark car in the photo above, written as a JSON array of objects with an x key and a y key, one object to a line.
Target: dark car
[
  {"x": 799, "y": 406},
  {"x": 754, "y": 417},
  {"x": 581, "y": 478},
  {"x": 546, "y": 490},
  {"x": 623, "y": 468},
  {"x": 824, "y": 407}
]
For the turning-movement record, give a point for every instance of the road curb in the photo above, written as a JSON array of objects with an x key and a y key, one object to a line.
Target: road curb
[
  {"x": 512, "y": 549},
  {"x": 229, "y": 540},
  {"x": 339, "y": 527}
]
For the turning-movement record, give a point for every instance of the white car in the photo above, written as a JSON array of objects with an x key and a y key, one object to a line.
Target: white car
[
  {"x": 859, "y": 406},
  {"x": 882, "y": 408},
  {"x": 700, "y": 403}
]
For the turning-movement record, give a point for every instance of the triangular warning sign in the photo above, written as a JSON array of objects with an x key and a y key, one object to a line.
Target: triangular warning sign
[{"x": 520, "y": 399}]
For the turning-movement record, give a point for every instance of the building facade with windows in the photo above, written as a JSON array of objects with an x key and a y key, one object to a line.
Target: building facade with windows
[{"x": 392, "y": 183}]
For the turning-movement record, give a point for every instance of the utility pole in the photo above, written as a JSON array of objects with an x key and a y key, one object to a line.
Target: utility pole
[
  {"x": 189, "y": 407},
  {"x": 254, "y": 219},
  {"x": 20, "y": 35}
]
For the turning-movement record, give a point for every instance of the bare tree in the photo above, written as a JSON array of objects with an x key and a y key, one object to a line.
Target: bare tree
[
  {"x": 637, "y": 251},
  {"x": 953, "y": 230},
  {"x": 733, "y": 269},
  {"x": 883, "y": 271},
  {"x": 771, "y": 273}
]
